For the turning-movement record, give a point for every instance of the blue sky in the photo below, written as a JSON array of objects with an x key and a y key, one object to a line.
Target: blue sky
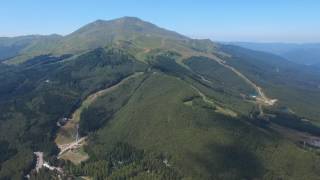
[{"x": 222, "y": 20}]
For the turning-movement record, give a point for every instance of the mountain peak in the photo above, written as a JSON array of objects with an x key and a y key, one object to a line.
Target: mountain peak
[
  {"x": 129, "y": 19},
  {"x": 123, "y": 28},
  {"x": 121, "y": 19},
  {"x": 126, "y": 20}
]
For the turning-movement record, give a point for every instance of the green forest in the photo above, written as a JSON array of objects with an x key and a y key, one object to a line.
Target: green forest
[{"x": 139, "y": 102}]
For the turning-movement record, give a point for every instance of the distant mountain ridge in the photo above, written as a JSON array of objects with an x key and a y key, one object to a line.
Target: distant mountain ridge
[
  {"x": 307, "y": 54},
  {"x": 13, "y": 46}
]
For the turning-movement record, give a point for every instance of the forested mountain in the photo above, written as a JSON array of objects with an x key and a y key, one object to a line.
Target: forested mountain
[
  {"x": 294, "y": 86},
  {"x": 125, "y": 99}
]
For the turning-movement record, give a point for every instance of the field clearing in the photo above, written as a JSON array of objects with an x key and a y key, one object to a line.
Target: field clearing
[
  {"x": 67, "y": 133},
  {"x": 76, "y": 156}
]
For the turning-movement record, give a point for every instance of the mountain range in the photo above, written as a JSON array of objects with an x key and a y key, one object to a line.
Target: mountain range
[
  {"x": 304, "y": 53},
  {"x": 126, "y": 99}
]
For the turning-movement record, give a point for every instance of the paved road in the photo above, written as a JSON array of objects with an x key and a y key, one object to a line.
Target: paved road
[
  {"x": 41, "y": 163},
  {"x": 39, "y": 160}
]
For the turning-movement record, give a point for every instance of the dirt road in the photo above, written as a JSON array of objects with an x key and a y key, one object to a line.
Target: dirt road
[{"x": 66, "y": 138}]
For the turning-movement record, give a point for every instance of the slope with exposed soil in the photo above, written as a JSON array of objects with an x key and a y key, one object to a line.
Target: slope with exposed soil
[{"x": 66, "y": 138}]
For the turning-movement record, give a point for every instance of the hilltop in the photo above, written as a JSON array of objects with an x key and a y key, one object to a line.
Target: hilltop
[{"x": 129, "y": 32}]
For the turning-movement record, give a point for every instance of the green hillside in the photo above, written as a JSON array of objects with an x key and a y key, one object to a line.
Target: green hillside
[
  {"x": 34, "y": 97},
  {"x": 198, "y": 142},
  {"x": 142, "y": 102},
  {"x": 295, "y": 87}
]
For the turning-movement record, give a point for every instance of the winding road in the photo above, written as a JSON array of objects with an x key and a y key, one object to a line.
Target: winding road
[
  {"x": 262, "y": 98},
  {"x": 66, "y": 139}
]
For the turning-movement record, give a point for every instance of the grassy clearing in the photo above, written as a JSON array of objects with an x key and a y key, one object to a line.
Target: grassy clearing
[
  {"x": 67, "y": 133},
  {"x": 75, "y": 156}
]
